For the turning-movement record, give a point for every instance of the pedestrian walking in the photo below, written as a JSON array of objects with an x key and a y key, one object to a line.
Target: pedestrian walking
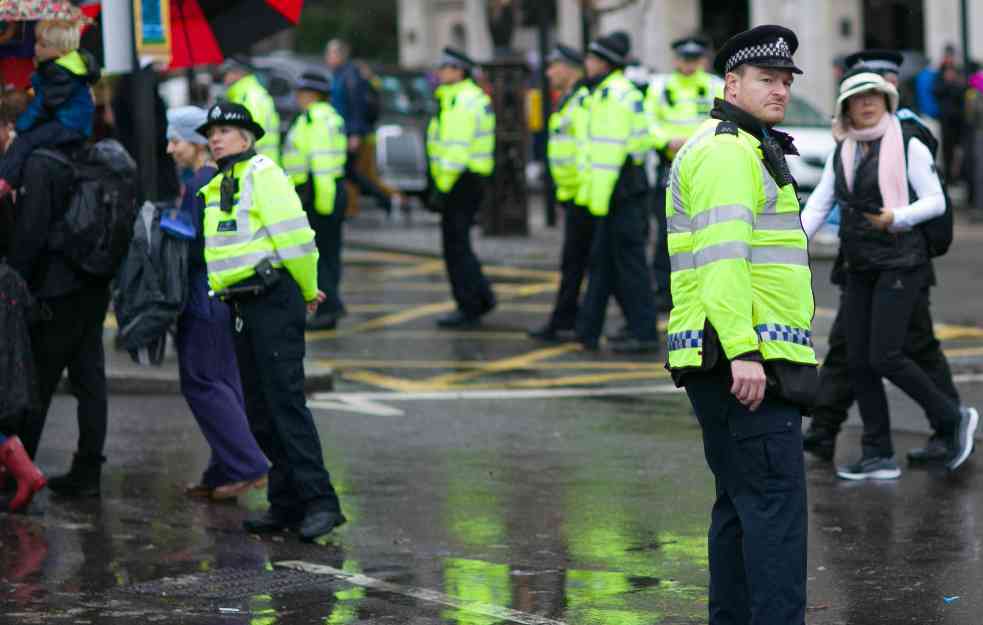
[
  {"x": 677, "y": 104},
  {"x": 262, "y": 260},
  {"x": 950, "y": 92},
  {"x": 883, "y": 177},
  {"x": 207, "y": 367},
  {"x": 461, "y": 150},
  {"x": 565, "y": 153},
  {"x": 615, "y": 191},
  {"x": 314, "y": 158},
  {"x": 835, "y": 394},
  {"x": 243, "y": 87},
  {"x": 740, "y": 338}
]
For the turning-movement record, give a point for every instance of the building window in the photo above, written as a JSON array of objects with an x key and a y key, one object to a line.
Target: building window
[
  {"x": 722, "y": 19},
  {"x": 894, "y": 24}
]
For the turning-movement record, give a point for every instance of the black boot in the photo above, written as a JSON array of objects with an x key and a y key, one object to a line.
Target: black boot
[
  {"x": 82, "y": 480},
  {"x": 820, "y": 442}
]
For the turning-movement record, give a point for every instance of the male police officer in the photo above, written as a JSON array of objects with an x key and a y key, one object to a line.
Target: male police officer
[
  {"x": 261, "y": 258},
  {"x": 614, "y": 189},
  {"x": 567, "y": 139},
  {"x": 678, "y": 104},
  {"x": 739, "y": 331},
  {"x": 245, "y": 89},
  {"x": 835, "y": 394},
  {"x": 314, "y": 158},
  {"x": 461, "y": 149}
]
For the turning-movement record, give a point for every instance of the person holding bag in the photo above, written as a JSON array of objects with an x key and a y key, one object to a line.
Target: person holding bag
[{"x": 886, "y": 185}]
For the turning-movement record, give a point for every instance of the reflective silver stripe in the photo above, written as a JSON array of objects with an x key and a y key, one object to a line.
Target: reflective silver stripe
[
  {"x": 297, "y": 251},
  {"x": 462, "y": 144},
  {"x": 243, "y": 232},
  {"x": 328, "y": 171},
  {"x": 779, "y": 221},
  {"x": 684, "y": 121},
  {"x": 478, "y": 155},
  {"x": 479, "y": 135},
  {"x": 327, "y": 152},
  {"x": 563, "y": 161},
  {"x": 207, "y": 206},
  {"x": 680, "y": 223},
  {"x": 771, "y": 191},
  {"x": 681, "y": 261},
  {"x": 288, "y": 225},
  {"x": 605, "y": 167},
  {"x": 731, "y": 250},
  {"x": 779, "y": 255},
  {"x": 452, "y": 165},
  {"x": 294, "y": 170},
  {"x": 608, "y": 140},
  {"x": 719, "y": 214},
  {"x": 254, "y": 258},
  {"x": 561, "y": 139}
]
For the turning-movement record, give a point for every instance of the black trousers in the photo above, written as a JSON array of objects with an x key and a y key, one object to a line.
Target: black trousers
[
  {"x": 618, "y": 265},
  {"x": 758, "y": 527},
  {"x": 328, "y": 237},
  {"x": 269, "y": 340},
  {"x": 878, "y": 308},
  {"x": 70, "y": 336},
  {"x": 661, "y": 268},
  {"x": 835, "y": 395},
  {"x": 471, "y": 289},
  {"x": 578, "y": 234}
]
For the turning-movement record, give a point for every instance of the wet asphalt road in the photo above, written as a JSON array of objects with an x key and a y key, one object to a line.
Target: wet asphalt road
[{"x": 487, "y": 479}]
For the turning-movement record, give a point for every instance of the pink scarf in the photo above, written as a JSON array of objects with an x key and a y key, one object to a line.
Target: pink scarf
[{"x": 892, "y": 176}]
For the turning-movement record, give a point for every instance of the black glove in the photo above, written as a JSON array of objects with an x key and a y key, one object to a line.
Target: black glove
[{"x": 437, "y": 201}]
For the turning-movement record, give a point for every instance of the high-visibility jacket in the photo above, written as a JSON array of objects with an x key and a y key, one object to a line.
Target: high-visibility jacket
[
  {"x": 618, "y": 132},
  {"x": 567, "y": 140},
  {"x": 678, "y": 104},
  {"x": 461, "y": 137},
  {"x": 738, "y": 252},
  {"x": 248, "y": 92},
  {"x": 266, "y": 220},
  {"x": 316, "y": 147}
]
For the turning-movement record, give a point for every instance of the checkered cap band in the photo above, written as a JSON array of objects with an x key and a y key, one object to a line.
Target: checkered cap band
[
  {"x": 688, "y": 339},
  {"x": 777, "y": 49},
  {"x": 787, "y": 334}
]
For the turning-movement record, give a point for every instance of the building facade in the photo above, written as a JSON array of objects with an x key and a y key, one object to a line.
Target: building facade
[{"x": 826, "y": 29}]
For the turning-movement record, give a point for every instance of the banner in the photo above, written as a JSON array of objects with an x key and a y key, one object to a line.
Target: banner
[{"x": 152, "y": 27}]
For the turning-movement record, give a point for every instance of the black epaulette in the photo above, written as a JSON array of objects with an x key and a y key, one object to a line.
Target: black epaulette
[{"x": 727, "y": 128}]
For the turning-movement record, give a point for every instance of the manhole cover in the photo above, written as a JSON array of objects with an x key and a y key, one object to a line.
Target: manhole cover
[{"x": 231, "y": 584}]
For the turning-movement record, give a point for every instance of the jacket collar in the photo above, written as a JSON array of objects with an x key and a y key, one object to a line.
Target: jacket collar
[
  {"x": 226, "y": 163},
  {"x": 725, "y": 111}
]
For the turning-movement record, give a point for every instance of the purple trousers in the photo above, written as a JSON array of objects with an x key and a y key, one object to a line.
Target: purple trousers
[{"x": 210, "y": 383}]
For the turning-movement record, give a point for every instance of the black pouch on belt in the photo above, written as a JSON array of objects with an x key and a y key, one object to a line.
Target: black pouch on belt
[{"x": 267, "y": 274}]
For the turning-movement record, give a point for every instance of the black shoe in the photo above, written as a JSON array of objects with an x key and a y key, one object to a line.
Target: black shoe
[
  {"x": 544, "y": 333},
  {"x": 820, "y": 442},
  {"x": 322, "y": 322},
  {"x": 318, "y": 523},
  {"x": 963, "y": 439},
  {"x": 271, "y": 522},
  {"x": 458, "y": 319},
  {"x": 82, "y": 480},
  {"x": 632, "y": 345},
  {"x": 935, "y": 450}
]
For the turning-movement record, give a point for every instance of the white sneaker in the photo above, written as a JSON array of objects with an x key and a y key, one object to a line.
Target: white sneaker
[{"x": 969, "y": 421}]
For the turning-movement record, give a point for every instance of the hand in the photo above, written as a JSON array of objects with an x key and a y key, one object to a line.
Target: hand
[
  {"x": 675, "y": 144},
  {"x": 354, "y": 142},
  {"x": 881, "y": 220},
  {"x": 314, "y": 303},
  {"x": 749, "y": 382}
]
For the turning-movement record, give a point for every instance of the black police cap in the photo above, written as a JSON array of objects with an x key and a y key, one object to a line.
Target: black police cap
[
  {"x": 314, "y": 81},
  {"x": 877, "y": 61},
  {"x": 231, "y": 114},
  {"x": 690, "y": 47},
  {"x": 455, "y": 58},
  {"x": 768, "y": 46},
  {"x": 565, "y": 54}
]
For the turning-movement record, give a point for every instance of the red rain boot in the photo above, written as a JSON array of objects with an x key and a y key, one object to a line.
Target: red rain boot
[{"x": 29, "y": 478}]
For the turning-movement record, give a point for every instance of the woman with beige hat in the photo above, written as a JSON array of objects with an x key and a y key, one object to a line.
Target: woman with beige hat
[{"x": 884, "y": 179}]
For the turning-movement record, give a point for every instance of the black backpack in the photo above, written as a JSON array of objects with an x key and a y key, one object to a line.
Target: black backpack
[
  {"x": 98, "y": 225},
  {"x": 938, "y": 232}
]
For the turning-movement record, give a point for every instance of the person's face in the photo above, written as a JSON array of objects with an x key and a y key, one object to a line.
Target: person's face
[
  {"x": 305, "y": 98},
  {"x": 687, "y": 66},
  {"x": 560, "y": 75},
  {"x": 226, "y": 141},
  {"x": 596, "y": 66},
  {"x": 5, "y": 132},
  {"x": 44, "y": 52},
  {"x": 762, "y": 92},
  {"x": 866, "y": 109},
  {"x": 232, "y": 76},
  {"x": 333, "y": 57},
  {"x": 448, "y": 74},
  {"x": 183, "y": 152}
]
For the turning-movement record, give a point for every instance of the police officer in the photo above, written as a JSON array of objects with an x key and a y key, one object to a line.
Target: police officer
[
  {"x": 835, "y": 394},
  {"x": 314, "y": 157},
  {"x": 567, "y": 139},
  {"x": 677, "y": 103},
  {"x": 461, "y": 150},
  {"x": 261, "y": 258},
  {"x": 243, "y": 87},
  {"x": 615, "y": 188},
  {"x": 739, "y": 331}
]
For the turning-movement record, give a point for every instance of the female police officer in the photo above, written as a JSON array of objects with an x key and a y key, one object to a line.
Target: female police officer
[{"x": 261, "y": 258}]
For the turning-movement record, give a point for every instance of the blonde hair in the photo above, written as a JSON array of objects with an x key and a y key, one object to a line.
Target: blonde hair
[{"x": 62, "y": 35}]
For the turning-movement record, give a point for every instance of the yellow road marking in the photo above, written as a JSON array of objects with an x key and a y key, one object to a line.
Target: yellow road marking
[
  {"x": 355, "y": 256},
  {"x": 963, "y": 352},
  {"x": 519, "y": 272},
  {"x": 384, "y": 381},
  {"x": 421, "y": 269},
  {"x": 386, "y": 320},
  {"x": 505, "y": 364},
  {"x": 473, "y": 364},
  {"x": 948, "y": 332}
]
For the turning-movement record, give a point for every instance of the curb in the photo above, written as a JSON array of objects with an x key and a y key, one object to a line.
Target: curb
[{"x": 165, "y": 382}]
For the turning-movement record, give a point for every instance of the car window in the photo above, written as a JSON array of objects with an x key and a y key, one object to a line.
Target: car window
[{"x": 800, "y": 113}]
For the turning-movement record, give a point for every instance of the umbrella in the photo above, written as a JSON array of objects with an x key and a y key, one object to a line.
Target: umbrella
[{"x": 32, "y": 10}]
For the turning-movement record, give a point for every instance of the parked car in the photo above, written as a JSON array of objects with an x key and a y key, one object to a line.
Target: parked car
[{"x": 813, "y": 136}]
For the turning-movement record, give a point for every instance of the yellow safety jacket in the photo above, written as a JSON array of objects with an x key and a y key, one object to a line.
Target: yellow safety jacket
[
  {"x": 567, "y": 140},
  {"x": 461, "y": 137},
  {"x": 738, "y": 252},
  {"x": 317, "y": 148},
  {"x": 248, "y": 92},
  {"x": 266, "y": 220},
  {"x": 618, "y": 130},
  {"x": 678, "y": 104}
]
